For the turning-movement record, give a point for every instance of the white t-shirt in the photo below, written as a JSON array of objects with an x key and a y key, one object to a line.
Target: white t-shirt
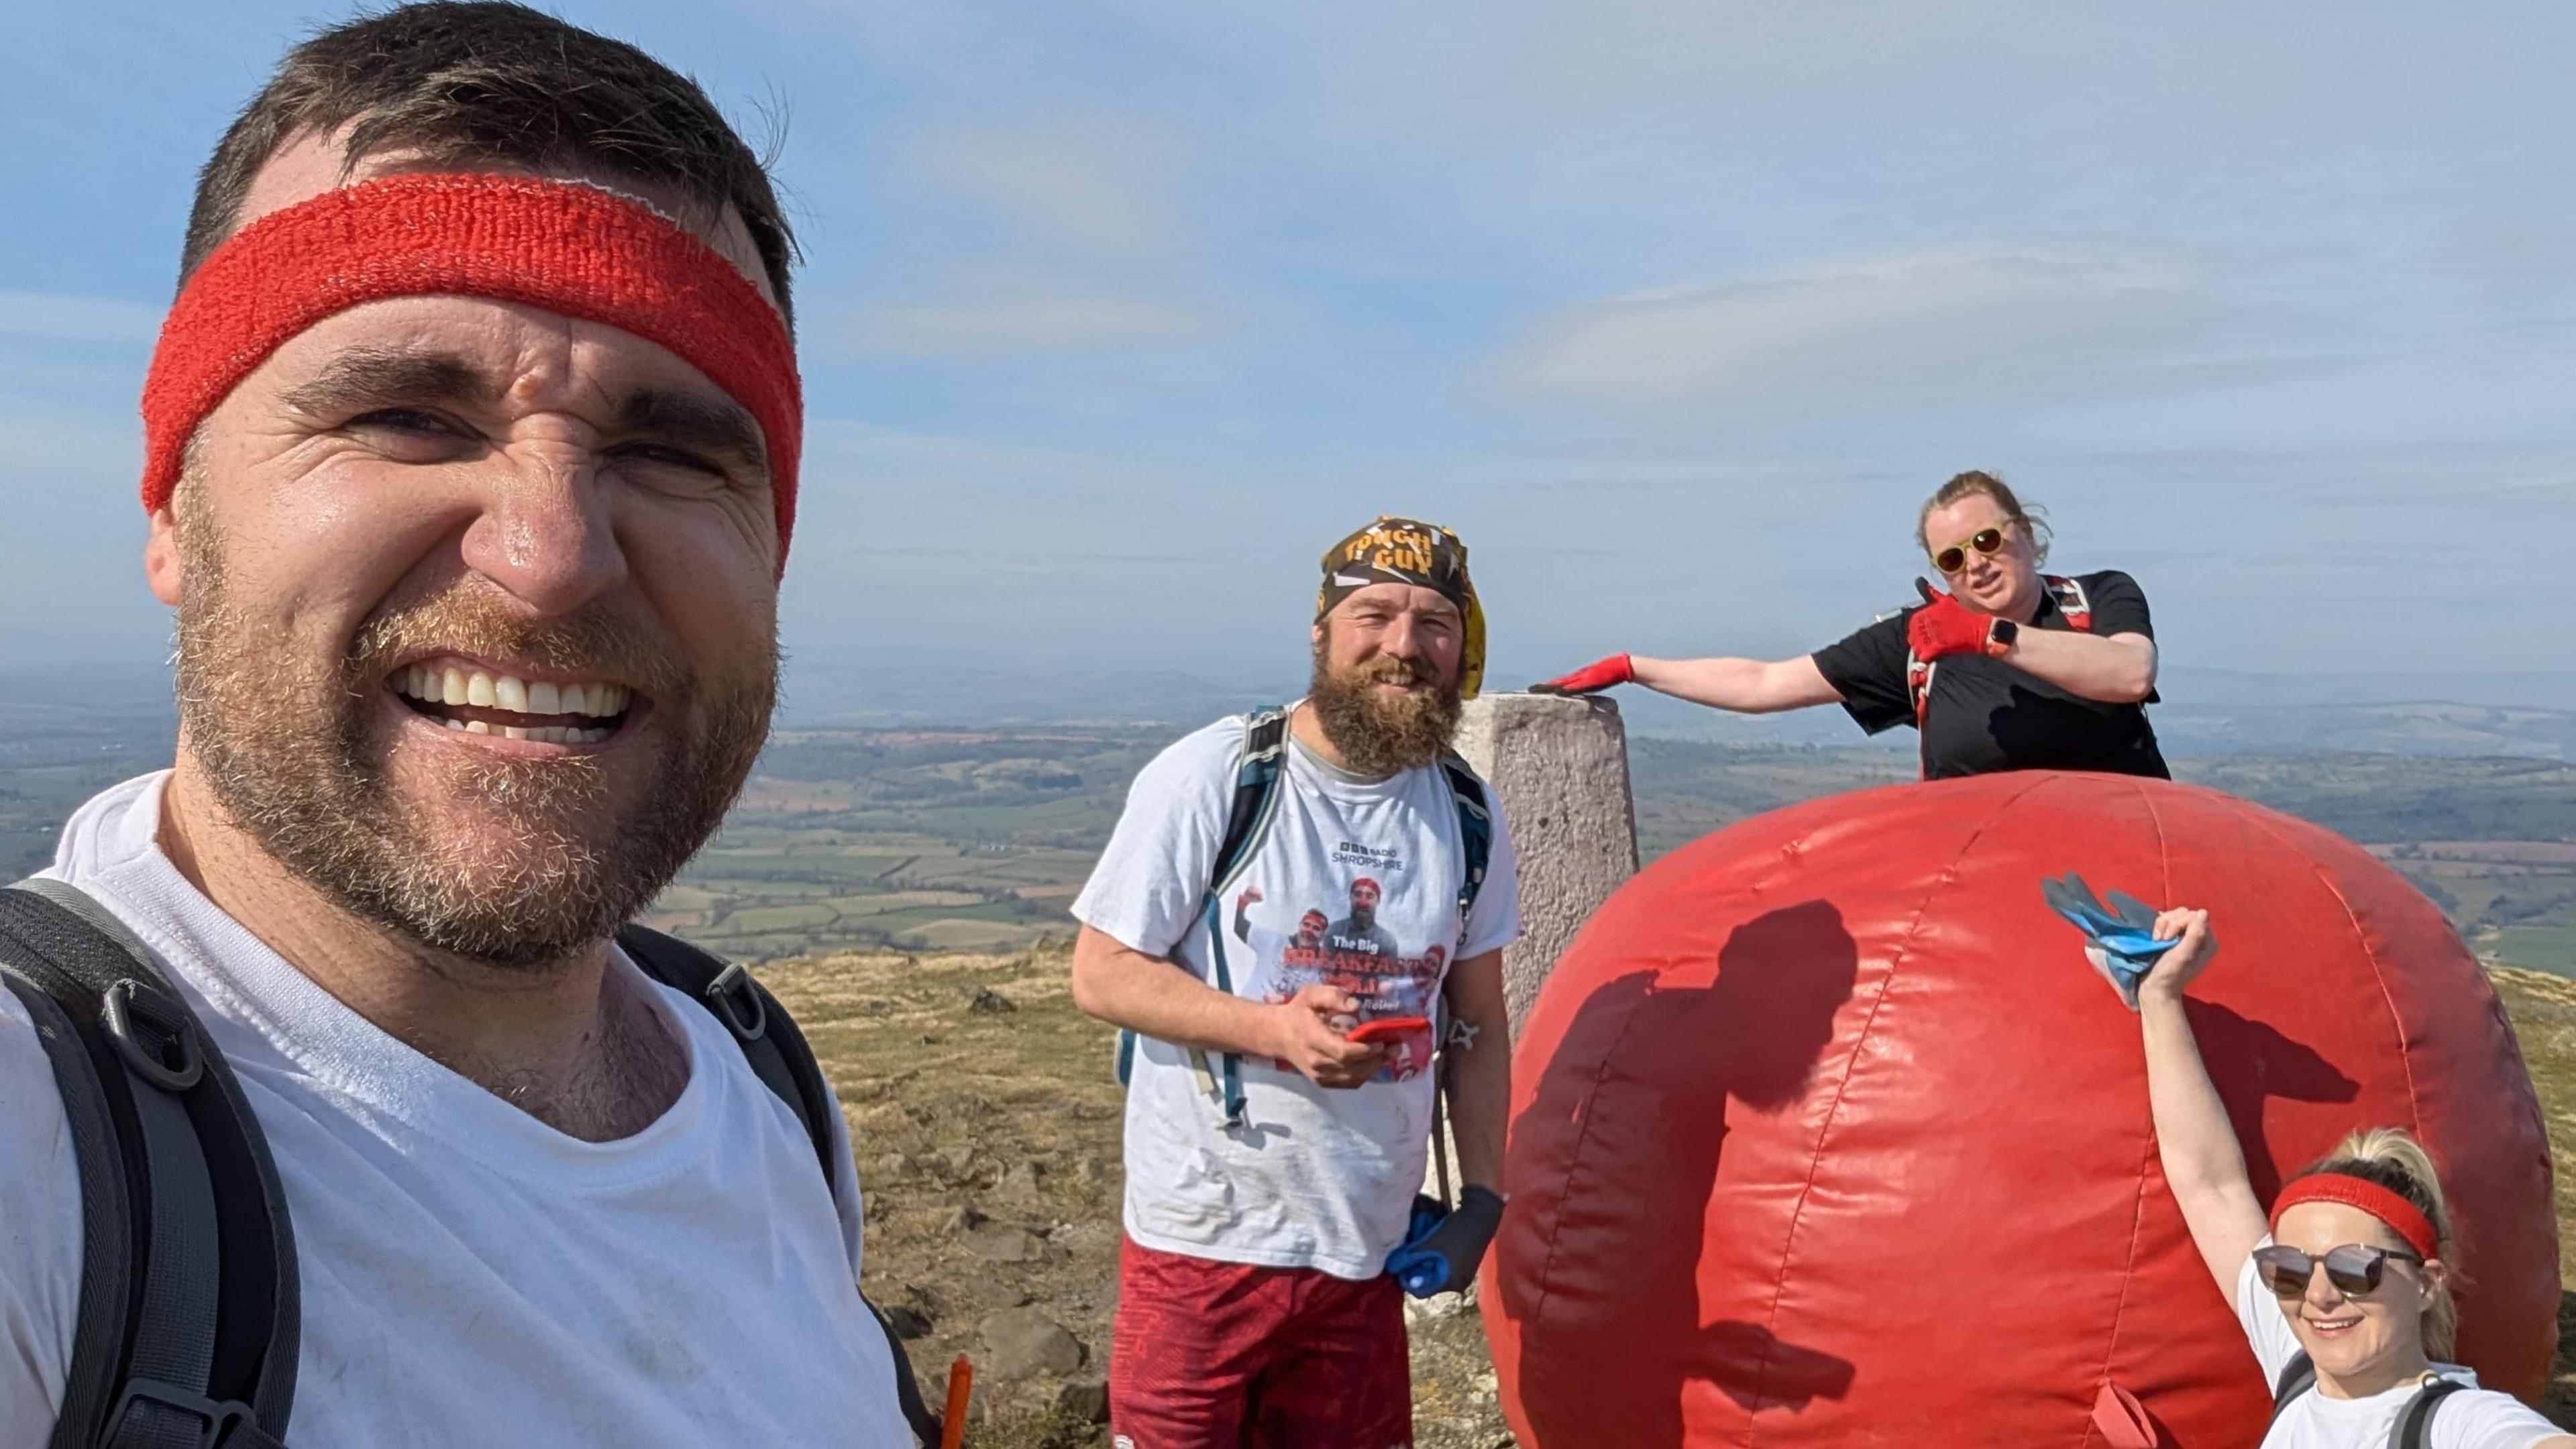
[
  {"x": 2477, "y": 1419},
  {"x": 1315, "y": 1178},
  {"x": 470, "y": 1275}
]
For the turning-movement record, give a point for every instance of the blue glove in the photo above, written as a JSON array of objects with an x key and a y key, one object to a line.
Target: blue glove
[
  {"x": 1442, "y": 1249},
  {"x": 2121, "y": 939}
]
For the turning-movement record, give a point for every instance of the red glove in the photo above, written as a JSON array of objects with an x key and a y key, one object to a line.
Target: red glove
[
  {"x": 1944, "y": 626},
  {"x": 1591, "y": 678}
]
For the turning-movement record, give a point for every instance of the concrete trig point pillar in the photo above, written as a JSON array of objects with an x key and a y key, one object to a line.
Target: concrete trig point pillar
[{"x": 1559, "y": 766}]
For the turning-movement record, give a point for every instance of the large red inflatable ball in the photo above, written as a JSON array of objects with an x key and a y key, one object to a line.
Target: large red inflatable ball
[{"x": 1824, "y": 1131}]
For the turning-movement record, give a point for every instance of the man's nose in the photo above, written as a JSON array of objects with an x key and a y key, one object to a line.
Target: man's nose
[
  {"x": 545, "y": 531},
  {"x": 1398, "y": 638}
]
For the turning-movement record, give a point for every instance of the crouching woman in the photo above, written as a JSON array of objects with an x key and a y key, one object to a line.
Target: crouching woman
[{"x": 2344, "y": 1290}]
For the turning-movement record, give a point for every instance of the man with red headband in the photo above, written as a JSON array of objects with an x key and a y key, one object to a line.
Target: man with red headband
[
  {"x": 471, "y": 449},
  {"x": 1278, "y": 1117}
]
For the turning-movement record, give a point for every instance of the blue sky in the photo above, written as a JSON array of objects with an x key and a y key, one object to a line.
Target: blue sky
[{"x": 1115, "y": 313}]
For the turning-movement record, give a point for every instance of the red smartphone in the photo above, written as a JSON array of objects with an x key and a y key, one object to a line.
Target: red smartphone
[{"x": 1387, "y": 1028}]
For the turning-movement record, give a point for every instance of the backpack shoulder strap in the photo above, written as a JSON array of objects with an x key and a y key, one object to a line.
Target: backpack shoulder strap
[
  {"x": 2297, "y": 1377},
  {"x": 1475, "y": 829},
  {"x": 785, "y": 1064},
  {"x": 1249, "y": 809},
  {"x": 2071, "y": 601},
  {"x": 188, "y": 1326},
  {"x": 2414, "y": 1426},
  {"x": 1256, "y": 794}
]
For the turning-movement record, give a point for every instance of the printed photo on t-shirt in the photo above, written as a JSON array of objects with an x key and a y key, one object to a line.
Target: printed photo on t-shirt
[{"x": 1342, "y": 944}]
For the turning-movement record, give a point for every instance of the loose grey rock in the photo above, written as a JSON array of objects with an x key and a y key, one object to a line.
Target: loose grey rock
[
  {"x": 958, "y": 1162},
  {"x": 1092, "y": 1171},
  {"x": 987, "y": 999},
  {"x": 1019, "y": 1184},
  {"x": 898, "y": 1167},
  {"x": 1021, "y": 1343},
  {"x": 1002, "y": 1243},
  {"x": 1085, "y": 1401},
  {"x": 961, "y": 1218}
]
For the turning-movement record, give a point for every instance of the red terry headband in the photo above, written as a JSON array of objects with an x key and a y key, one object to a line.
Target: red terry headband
[
  {"x": 565, "y": 247},
  {"x": 2402, "y": 1217}
]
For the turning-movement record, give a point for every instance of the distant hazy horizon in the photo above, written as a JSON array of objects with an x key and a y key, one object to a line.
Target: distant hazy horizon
[{"x": 1115, "y": 312}]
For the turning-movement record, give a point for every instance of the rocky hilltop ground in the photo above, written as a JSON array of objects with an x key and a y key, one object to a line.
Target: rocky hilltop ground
[{"x": 986, "y": 1120}]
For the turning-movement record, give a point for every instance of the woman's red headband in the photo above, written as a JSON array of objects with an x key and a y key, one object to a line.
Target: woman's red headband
[
  {"x": 565, "y": 247},
  {"x": 2402, "y": 1217}
]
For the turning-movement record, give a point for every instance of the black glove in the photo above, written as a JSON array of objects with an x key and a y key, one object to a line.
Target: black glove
[{"x": 1444, "y": 1251}]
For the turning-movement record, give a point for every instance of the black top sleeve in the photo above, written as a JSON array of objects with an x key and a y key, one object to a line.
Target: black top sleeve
[
  {"x": 2119, "y": 605},
  {"x": 1867, "y": 669}
]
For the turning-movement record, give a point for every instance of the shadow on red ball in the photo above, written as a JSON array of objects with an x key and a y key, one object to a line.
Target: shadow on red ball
[{"x": 1824, "y": 1131}]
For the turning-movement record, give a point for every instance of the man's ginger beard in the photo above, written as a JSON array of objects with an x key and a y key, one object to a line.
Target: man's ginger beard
[
  {"x": 292, "y": 751},
  {"x": 1380, "y": 734}
]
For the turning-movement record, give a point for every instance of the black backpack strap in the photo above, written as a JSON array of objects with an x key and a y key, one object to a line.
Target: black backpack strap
[
  {"x": 188, "y": 1325},
  {"x": 779, "y": 1056},
  {"x": 1256, "y": 793},
  {"x": 2414, "y": 1426},
  {"x": 2297, "y": 1377},
  {"x": 1475, "y": 829}
]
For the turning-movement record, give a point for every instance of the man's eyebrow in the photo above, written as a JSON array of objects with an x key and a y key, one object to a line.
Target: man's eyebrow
[
  {"x": 374, "y": 377},
  {"x": 697, "y": 422}
]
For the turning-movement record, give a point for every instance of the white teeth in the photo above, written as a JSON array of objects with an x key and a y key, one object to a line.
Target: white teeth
[
  {"x": 456, "y": 724},
  {"x": 478, "y": 727},
  {"x": 513, "y": 732},
  {"x": 450, "y": 684}
]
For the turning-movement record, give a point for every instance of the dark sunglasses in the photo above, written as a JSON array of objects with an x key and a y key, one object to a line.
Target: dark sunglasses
[
  {"x": 2354, "y": 1269},
  {"x": 1985, "y": 540}
]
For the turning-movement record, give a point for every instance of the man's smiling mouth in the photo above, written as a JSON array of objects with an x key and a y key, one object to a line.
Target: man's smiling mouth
[{"x": 478, "y": 700}]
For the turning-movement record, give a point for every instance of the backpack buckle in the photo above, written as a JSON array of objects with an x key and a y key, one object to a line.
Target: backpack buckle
[
  {"x": 736, "y": 998},
  {"x": 219, "y": 1420},
  {"x": 119, "y": 1013}
]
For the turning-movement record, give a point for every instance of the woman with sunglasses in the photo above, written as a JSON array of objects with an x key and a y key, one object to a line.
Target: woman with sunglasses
[
  {"x": 2012, "y": 669},
  {"x": 2344, "y": 1289}
]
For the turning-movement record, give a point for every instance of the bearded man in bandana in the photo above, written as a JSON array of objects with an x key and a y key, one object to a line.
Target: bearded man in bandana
[{"x": 1254, "y": 1303}]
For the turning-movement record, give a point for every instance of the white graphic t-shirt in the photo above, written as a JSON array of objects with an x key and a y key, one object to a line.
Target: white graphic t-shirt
[
  {"x": 470, "y": 1275},
  {"x": 2478, "y": 1419},
  {"x": 1355, "y": 884}
]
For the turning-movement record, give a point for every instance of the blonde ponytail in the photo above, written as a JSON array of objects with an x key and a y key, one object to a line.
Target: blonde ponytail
[{"x": 2393, "y": 1159}]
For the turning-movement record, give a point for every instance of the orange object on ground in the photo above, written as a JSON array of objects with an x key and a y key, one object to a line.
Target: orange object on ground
[
  {"x": 961, "y": 1385},
  {"x": 1824, "y": 1132}
]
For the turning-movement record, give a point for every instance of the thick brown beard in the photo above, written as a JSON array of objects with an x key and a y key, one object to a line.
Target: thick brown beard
[
  {"x": 286, "y": 751},
  {"x": 1382, "y": 734}
]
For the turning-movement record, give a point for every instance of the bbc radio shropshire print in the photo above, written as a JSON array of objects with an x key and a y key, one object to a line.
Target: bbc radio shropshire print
[{"x": 1342, "y": 944}]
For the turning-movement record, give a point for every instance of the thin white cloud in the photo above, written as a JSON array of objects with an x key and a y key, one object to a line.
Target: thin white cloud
[
  {"x": 1968, "y": 326},
  {"x": 1097, "y": 186},
  {"x": 1023, "y": 325},
  {"x": 57, "y": 318}
]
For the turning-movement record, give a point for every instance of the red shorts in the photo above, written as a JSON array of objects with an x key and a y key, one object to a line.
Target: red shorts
[{"x": 1209, "y": 1355}]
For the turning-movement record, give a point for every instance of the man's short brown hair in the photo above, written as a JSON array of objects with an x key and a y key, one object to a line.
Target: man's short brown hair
[{"x": 489, "y": 82}]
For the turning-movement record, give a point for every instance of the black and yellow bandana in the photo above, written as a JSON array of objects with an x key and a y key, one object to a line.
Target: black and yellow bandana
[{"x": 1403, "y": 551}]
